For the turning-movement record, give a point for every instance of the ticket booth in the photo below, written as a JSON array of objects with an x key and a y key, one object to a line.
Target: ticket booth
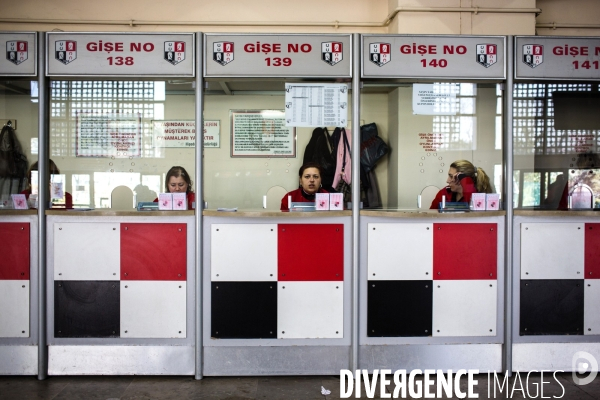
[
  {"x": 276, "y": 284},
  {"x": 432, "y": 280},
  {"x": 19, "y": 282},
  {"x": 120, "y": 272},
  {"x": 556, "y": 199}
]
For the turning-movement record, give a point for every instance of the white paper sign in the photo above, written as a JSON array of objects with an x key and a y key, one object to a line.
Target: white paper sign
[
  {"x": 314, "y": 104},
  {"x": 182, "y": 133},
  {"x": 261, "y": 133},
  {"x": 105, "y": 135},
  {"x": 430, "y": 99}
]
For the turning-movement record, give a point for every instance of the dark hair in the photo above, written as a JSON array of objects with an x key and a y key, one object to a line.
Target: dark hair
[
  {"x": 178, "y": 172},
  {"x": 310, "y": 165},
  {"x": 53, "y": 169}
]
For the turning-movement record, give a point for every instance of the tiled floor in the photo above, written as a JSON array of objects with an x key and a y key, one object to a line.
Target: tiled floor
[{"x": 292, "y": 387}]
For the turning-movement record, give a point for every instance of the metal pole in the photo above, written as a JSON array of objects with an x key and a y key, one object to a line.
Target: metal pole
[
  {"x": 355, "y": 195},
  {"x": 507, "y": 147},
  {"x": 43, "y": 197},
  {"x": 199, "y": 200}
]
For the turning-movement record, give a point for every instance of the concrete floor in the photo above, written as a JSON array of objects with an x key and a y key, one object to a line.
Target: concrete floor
[{"x": 292, "y": 387}]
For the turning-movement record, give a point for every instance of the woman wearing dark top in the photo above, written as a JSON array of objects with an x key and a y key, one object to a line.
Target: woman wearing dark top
[
  {"x": 178, "y": 181},
  {"x": 310, "y": 184},
  {"x": 464, "y": 179}
]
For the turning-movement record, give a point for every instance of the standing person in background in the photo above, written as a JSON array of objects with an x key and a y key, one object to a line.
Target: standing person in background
[
  {"x": 178, "y": 181},
  {"x": 310, "y": 184},
  {"x": 464, "y": 179}
]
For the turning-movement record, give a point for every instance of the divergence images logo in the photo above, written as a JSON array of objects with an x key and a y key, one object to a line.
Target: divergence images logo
[
  {"x": 487, "y": 54},
  {"x": 16, "y": 51},
  {"x": 533, "y": 54},
  {"x": 65, "y": 51},
  {"x": 174, "y": 52},
  {"x": 223, "y": 52},
  {"x": 331, "y": 52},
  {"x": 379, "y": 53}
]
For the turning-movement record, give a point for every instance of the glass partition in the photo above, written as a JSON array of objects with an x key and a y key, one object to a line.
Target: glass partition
[
  {"x": 556, "y": 165},
  {"x": 428, "y": 126},
  {"x": 19, "y": 137},
  {"x": 256, "y": 179},
  {"x": 110, "y": 134}
]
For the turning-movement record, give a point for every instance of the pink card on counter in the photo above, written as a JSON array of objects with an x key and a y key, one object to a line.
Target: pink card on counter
[
  {"x": 179, "y": 201},
  {"x": 322, "y": 202},
  {"x": 19, "y": 202},
  {"x": 478, "y": 200},
  {"x": 493, "y": 201},
  {"x": 336, "y": 201},
  {"x": 165, "y": 201}
]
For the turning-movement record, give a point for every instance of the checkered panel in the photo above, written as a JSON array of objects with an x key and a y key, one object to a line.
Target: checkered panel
[
  {"x": 14, "y": 263},
  {"x": 592, "y": 251},
  {"x": 14, "y": 311}
]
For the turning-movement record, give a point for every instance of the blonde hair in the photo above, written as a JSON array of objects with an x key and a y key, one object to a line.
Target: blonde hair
[{"x": 482, "y": 181}]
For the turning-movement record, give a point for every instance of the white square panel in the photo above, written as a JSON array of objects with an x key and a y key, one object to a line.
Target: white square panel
[
  {"x": 14, "y": 308},
  {"x": 552, "y": 250},
  {"x": 464, "y": 308},
  {"x": 310, "y": 310},
  {"x": 400, "y": 251},
  {"x": 591, "y": 301},
  {"x": 243, "y": 252},
  {"x": 153, "y": 309},
  {"x": 87, "y": 251}
]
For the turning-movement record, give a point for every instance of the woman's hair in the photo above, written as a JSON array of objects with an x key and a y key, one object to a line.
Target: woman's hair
[
  {"x": 310, "y": 165},
  {"x": 53, "y": 169},
  {"x": 482, "y": 181},
  {"x": 178, "y": 172}
]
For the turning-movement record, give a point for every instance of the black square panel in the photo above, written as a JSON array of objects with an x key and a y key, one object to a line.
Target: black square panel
[
  {"x": 551, "y": 307},
  {"x": 87, "y": 309},
  {"x": 243, "y": 310},
  {"x": 399, "y": 308}
]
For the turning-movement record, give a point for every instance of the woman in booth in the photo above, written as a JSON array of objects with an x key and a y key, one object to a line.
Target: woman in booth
[
  {"x": 464, "y": 179},
  {"x": 310, "y": 184},
  {"x": 178, "y": 181},
  {"x": 53, "y": 171}
]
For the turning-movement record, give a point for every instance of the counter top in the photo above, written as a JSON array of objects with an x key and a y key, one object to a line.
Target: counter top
[
  {"x": 556, "y": 213},
  {"x": 278, "y": 214},
  {"x": 18, "y": 212},
  {"x": 110, "y": 213},
  {"x": 416, "y": 213}
]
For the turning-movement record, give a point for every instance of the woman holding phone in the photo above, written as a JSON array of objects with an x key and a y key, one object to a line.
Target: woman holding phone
[{"x": 464, "y": 179}]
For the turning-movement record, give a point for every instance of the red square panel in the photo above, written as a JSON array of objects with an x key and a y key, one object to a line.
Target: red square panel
[
  {"x": 592, "y": 251},
  {"x": 14, "y": 261},
  {"x": 465, "y": 251},
  {"x": 153, "y": 252},
  {"x": 310, "y": 252}
]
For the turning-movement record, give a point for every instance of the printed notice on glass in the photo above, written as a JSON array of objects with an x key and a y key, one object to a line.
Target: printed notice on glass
[
  {"x": 432, "y": 99},
  {"x": 313, "y": 104},
  {"x": 108, "y": 135},
  {"x": 182, "y": 133},
  {"x": 261, "y": 133}
]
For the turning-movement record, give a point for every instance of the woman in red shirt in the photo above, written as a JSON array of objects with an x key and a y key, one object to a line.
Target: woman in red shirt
[
  {"x": 310, "y": 184},
  {"x": 178, "y": 181},
  {"x": 464, "y": 179}
]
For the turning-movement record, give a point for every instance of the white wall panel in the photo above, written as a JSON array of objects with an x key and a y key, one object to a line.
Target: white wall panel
[
  {"x": 400, "y": 251},
  {"x": 14, "y": 308},
  {"x": 87, "y": 251},
  {"x": 552, "y": 250},
  {"x": 153, "y": 309},
  {"x": 464, "y": 308},
  {"x": 591, "y": 314},
  {"x": 243, "y": 252},
  {"x": 310, "y": 310}
]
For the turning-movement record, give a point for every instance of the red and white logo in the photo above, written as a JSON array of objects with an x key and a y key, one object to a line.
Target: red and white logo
[
  {"x": 223, "y": 52},
  {"x": 332, "y": 52},
  {"x": 16, "y": 51},
  {"x": 65, "y": 51},
  {"x": 380, "y": 53},
  {"x": 533, "y": 54},
  {"x": 174, "y": 52},
  {"x": 487, "y": 54}
]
